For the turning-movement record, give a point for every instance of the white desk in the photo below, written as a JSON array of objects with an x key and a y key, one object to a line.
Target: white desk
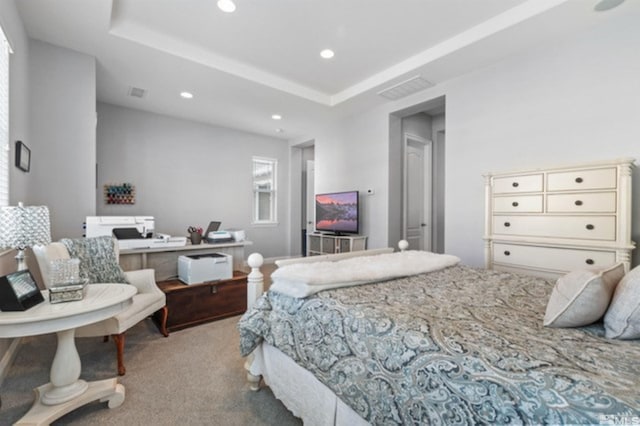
[
  {"x": 164, "y": 261},
  {"x": 66, "y": 391}
]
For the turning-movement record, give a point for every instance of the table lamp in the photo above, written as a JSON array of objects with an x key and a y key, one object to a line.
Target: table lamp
[{"x": 22, "y": 227}]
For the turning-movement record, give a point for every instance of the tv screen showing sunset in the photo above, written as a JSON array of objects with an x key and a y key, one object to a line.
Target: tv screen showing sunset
[{"x": 337, "y": 212}]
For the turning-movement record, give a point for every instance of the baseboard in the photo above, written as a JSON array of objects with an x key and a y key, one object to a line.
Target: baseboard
[
  {"x": 267, "y": 261},
  {"x": 8, "y": 357},
  {"x": 270, "y": 260}
]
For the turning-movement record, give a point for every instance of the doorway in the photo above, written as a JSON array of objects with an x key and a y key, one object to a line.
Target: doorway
[
  {"x": 417, "y": 139},
  {"x": 307, "y": 196},
  {"x": 417, "y": 192}
]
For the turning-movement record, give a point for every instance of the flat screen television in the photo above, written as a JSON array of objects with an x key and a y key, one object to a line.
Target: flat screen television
[{"x": 337, "y": 212}]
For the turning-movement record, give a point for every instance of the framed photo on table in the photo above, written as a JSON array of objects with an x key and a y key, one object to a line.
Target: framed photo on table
[
  {"x": 23, "y": 156},
  {"x": 19, "y": 292}
]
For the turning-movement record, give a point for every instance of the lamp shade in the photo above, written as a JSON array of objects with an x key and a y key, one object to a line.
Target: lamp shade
[{"x": 22, "y": 227}]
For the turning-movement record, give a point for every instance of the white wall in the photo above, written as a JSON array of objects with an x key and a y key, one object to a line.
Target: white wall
[
  {"x": 571, "y": 101},
  {"x": 18, "y": 96},
  {"x": 62, "y": 138},
  {"x": 439, "y": 143},
  {"x": 576, "y": 99},
  {"x": 187, "y": 173},
  {"x": 418, "y": 125},
  {"x": 353, "y": 155},
  {"x": 18, "y": 130}
]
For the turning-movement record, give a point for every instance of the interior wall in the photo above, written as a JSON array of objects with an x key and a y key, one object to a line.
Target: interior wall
[
  {"x": 418, "y": 125},
  {"x": 307, "y": 155},
  {"x": 294, "y": 207},
  {"x": 394, "y": 179},
  {"x": 352, "y": 155},
  {"x": 187, "y": 173},
  {"x": 18, "y": 96},
  {"x": 18, "y": 130},
  {"x": 438, "y": 137},
  {"x": 573, "y": 101},
  {"x": 62, "y": 135},
  {"x": 566, "y": 102}
]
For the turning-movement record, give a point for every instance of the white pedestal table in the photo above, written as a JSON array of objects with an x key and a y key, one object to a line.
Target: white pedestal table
[{"x": 66, "y": 391}]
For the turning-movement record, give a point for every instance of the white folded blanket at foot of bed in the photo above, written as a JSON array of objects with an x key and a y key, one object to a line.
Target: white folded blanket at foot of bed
[{"x": 304, "y": 279}]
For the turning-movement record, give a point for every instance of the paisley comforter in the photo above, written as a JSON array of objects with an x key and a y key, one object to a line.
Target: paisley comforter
[{"x": 456, "y": 346}]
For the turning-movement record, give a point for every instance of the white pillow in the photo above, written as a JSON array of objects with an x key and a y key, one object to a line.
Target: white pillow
[
  {"x": 581, "y": 297},
  {"x": 622, "y": 320}
]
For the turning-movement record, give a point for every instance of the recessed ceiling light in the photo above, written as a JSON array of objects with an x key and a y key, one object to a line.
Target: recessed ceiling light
[
  {"x": 279, "y": 130},
  {"x": 186, "y": 95},
  {"x": 226, "y": 6},
  {"x": 327, "y": 53},
  {"x": 276, "y": 117}
]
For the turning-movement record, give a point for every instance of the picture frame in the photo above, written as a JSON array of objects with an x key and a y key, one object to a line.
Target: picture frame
[{"x": 23, "y": 157}]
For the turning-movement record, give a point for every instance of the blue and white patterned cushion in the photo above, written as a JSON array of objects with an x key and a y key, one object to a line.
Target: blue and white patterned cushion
[{"x": 98, "y": 260}]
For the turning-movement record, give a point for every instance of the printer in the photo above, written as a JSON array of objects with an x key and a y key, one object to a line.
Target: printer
[
  {"x": 225, "y": 236},
  {"x": 203, "y": 268},
  {"x": 132, "y": 232},
  {"x": 218, "y": 237},
  {"x": 214, "y": 235}
]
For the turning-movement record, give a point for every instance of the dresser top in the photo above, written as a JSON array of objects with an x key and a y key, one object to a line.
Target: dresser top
[{"x": 594, "y": 164}]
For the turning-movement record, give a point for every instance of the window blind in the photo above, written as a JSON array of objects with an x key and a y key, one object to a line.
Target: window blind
[{"x": 264, "y": 190}]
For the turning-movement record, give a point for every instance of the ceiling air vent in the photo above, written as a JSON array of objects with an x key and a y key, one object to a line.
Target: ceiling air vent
[
  {"x": 405, "y": 88},
  {"x": 136, "y": 92}
]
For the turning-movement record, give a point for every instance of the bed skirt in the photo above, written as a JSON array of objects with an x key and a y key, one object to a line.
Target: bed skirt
[{"x": 304, "y": 395}]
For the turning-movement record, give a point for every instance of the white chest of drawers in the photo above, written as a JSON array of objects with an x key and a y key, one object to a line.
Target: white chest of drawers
[{"x": 547, "y": 222}]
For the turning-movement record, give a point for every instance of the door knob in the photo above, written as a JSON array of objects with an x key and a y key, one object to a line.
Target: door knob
[{"x": 423, "y": 224}]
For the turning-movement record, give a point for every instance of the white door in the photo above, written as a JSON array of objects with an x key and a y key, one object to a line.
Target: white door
[
  {"x": 417, "y": 192},
  {"x": 311, "y": 201}
]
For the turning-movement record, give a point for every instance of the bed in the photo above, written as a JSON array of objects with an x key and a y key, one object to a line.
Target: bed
[{"x": 458, "y": 345}]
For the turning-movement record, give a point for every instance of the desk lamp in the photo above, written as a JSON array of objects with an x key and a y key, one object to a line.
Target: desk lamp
[{"x": 22, "y": 227}]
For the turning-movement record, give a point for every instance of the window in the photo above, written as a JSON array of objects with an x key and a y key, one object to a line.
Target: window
[
  {"x": 5, "y": 49},
  {"x": 264, "y": 190}
]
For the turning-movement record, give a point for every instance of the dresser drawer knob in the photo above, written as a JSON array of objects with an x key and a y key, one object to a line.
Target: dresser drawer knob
[
  {"x": 507, "y": 253},
  {"x": 578, "y": 202},
  {"x": 590, "y": 227},
  {"x": 578, "y": 180},
  {"x": 514, "y": 204},
  {"x": 515, "y": 184},
  {"x": 507, "y": 224},
  {"x": 589, "y": 262}
]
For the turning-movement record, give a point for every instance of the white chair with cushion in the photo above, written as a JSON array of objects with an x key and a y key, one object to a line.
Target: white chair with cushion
[{"x": 148, "y": 300}]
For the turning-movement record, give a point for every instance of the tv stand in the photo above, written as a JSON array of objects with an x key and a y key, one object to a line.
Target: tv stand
[{"x": 318, "y": 244}]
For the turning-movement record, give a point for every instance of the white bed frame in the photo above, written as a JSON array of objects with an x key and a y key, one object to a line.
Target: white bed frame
[{"x": 304, "y": 395}]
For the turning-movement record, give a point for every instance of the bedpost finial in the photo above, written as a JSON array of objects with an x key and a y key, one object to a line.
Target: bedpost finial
[
  {"x": 255, "y": 279},
  {"x": 403, "y": 245},
  {"x": 255, "y": 260}
]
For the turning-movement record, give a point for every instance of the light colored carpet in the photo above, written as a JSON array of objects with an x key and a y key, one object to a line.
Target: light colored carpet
[{"x": 193, "y": 377}]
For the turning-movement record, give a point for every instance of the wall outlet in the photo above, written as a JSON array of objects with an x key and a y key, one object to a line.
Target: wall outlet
[{"x": 370, "y": 192}]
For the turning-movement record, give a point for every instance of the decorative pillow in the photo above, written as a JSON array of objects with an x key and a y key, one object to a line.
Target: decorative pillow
[
  {"x": 582, "y": 297},
  {"x": 98, "y": 259},
  {"x": 622, "y": 320}
]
